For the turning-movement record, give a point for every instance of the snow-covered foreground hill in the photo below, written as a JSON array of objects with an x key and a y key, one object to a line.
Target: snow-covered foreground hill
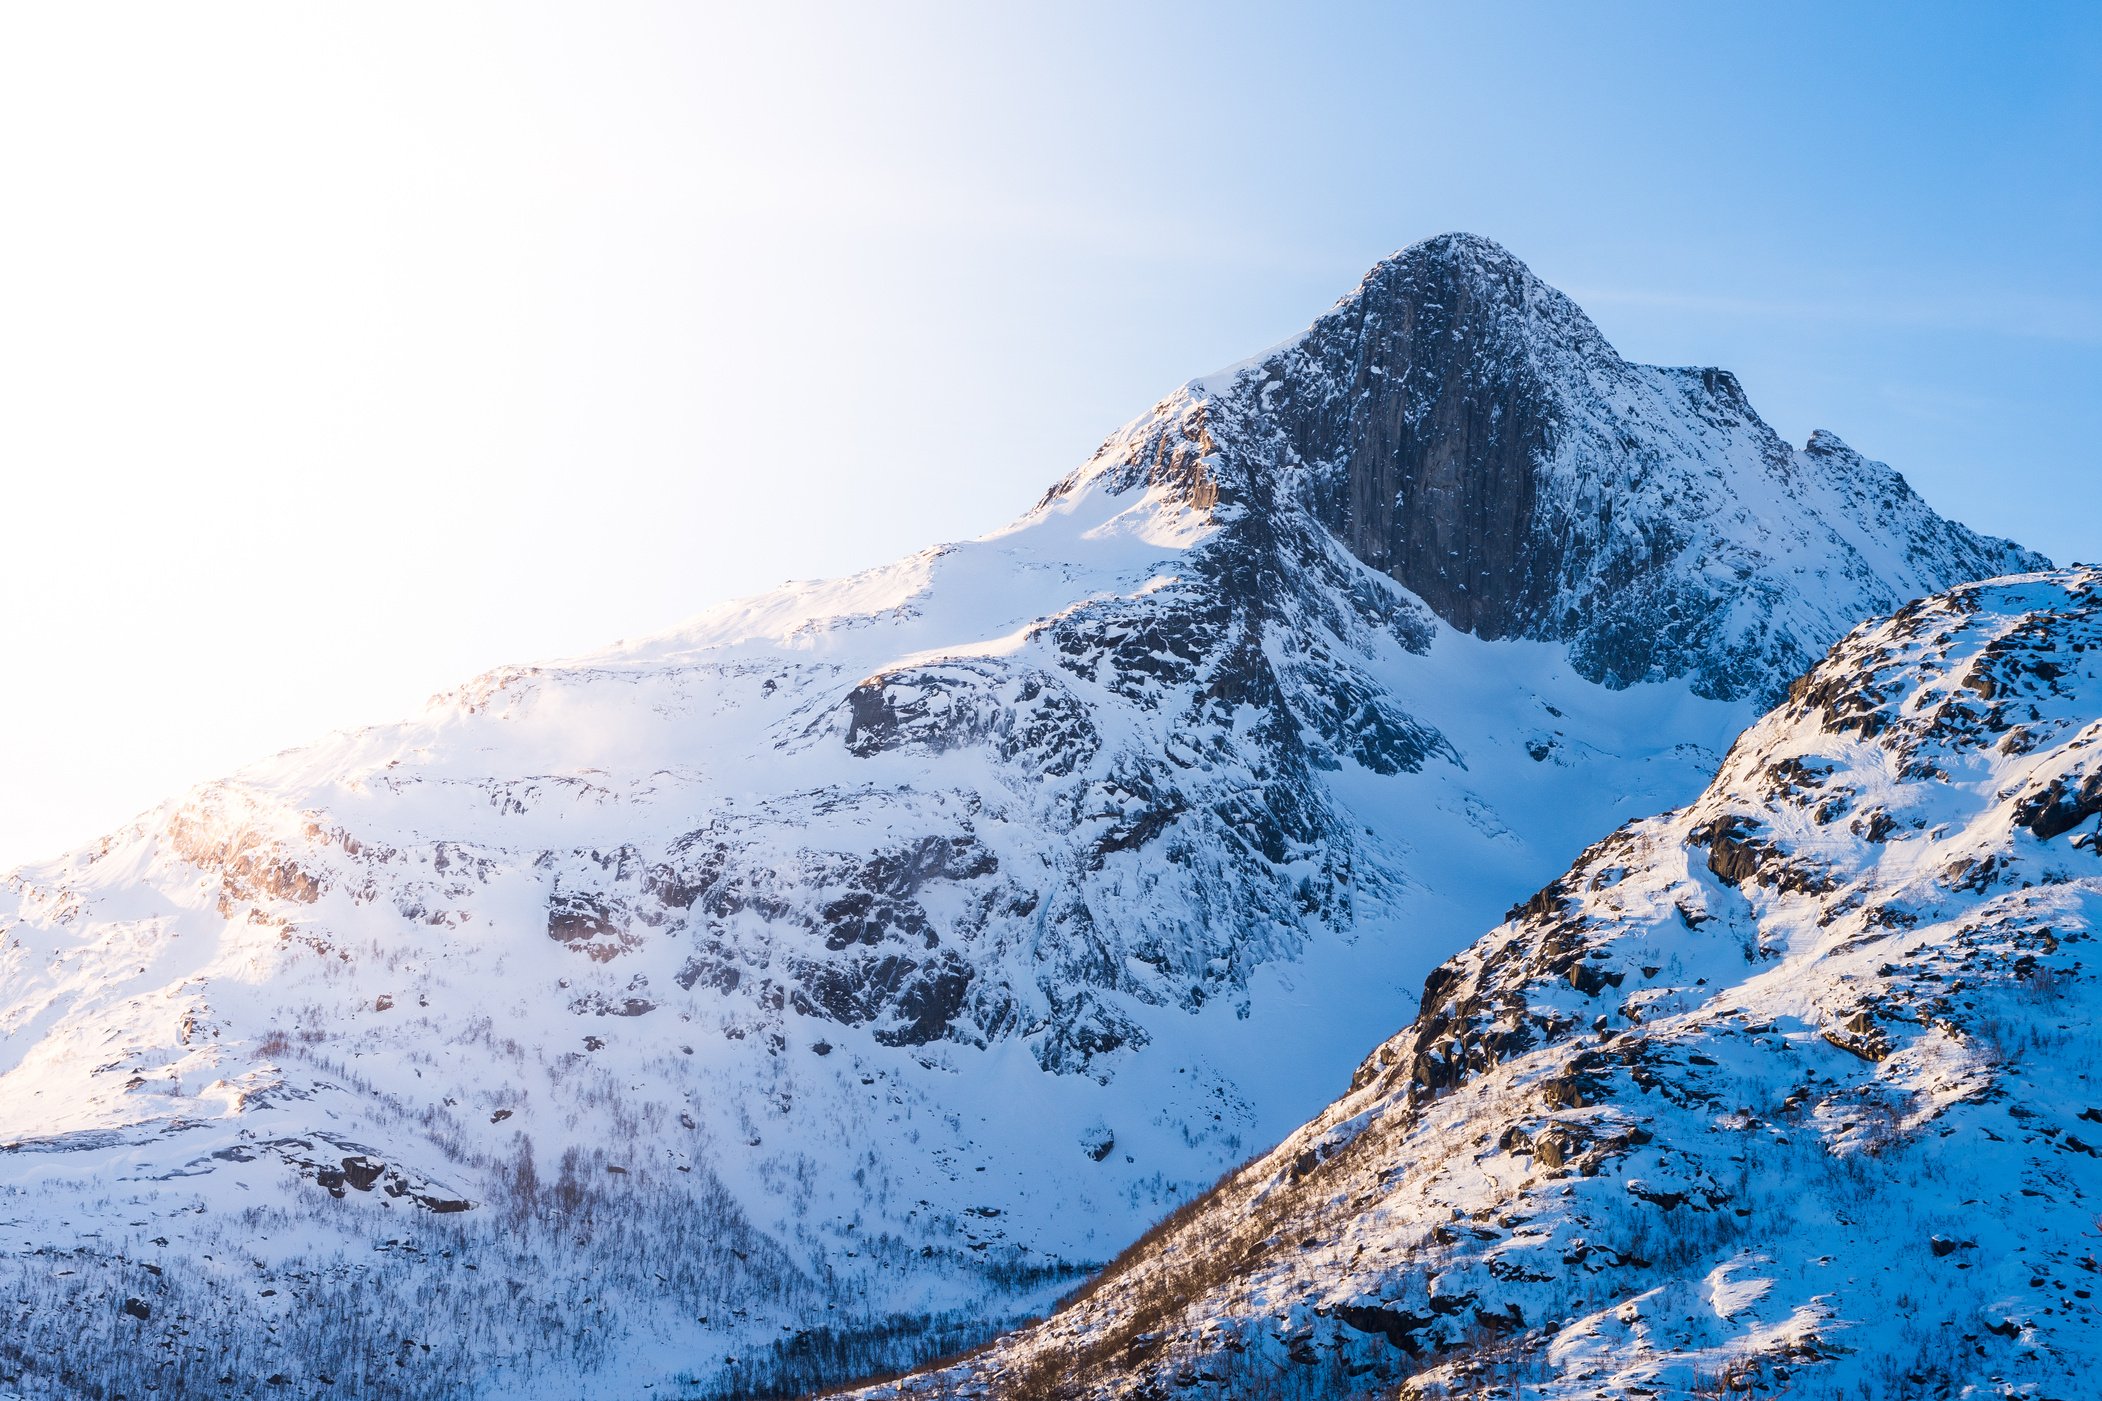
[
  {"x": 1796, "y": 1090},
  {"x": 816, "y": 987}
]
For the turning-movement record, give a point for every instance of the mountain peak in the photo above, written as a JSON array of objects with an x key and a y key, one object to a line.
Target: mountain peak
[
  {"x": 1475, "y": 292},
  {"x": 716, "y": 980},
  {"x": 1465, "y": 429},
  {"x": 1458, "y": 248},
  {"x": 1823, "y": 442}
]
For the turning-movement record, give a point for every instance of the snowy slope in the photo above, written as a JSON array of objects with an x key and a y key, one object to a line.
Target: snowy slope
[
  {"x": 811, "y": 987},
  {"x": 1795, "y": 1089}
]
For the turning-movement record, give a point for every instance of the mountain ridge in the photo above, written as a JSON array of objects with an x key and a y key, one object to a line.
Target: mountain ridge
[
  {"x": 903, "y": 944},
  {"x": 1456, "y": 407},
  {"x": 1781, "y": 1092}
]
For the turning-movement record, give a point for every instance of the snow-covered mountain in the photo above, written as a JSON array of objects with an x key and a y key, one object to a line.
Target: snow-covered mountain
[
  {"x": 817, "y": 985},
  {"x": 1794, "y": 1090}
]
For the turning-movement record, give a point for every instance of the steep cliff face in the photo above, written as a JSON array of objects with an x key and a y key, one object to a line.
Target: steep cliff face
[
  {"x": 1464, "y": 429},
  {"x": 1792, "y": 1091},
  {"x": 872, "y": 956}
]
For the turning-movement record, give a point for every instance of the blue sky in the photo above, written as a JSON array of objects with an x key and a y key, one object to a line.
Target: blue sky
[{"x": 354, "y": 353}]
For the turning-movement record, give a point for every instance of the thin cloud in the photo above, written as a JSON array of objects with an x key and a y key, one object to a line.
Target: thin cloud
[{"x": 2065, "y": 320}]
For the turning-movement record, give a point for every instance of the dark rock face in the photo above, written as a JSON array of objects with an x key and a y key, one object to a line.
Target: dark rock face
[
  {"x": 1732, "y": 855},
  {"x": 1443, "y": 441},
  {"x": 2062, "y": 806},
  {"x": 1463, "y": 428},
  {"x": 920, "y": 998},
  {"x": 1028, "y": 718},
  {"x": 589, "y": 924},
  {"x": 362, "y": 1172},
  {"x": 1398, "y": 1327}
]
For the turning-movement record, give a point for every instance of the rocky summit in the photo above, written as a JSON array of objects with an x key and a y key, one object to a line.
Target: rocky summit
[
  {"x": 817, "y": 987},
  {"x": 1464, "y": 429}
]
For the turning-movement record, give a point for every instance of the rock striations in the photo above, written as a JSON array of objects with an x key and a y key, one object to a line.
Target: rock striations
[
  {"x": 806, "y": 990},
  {"x": 1792, "y": 1091}
]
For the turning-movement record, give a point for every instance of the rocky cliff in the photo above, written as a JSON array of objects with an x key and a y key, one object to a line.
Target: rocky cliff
[{"x": 1464, "y": 429}]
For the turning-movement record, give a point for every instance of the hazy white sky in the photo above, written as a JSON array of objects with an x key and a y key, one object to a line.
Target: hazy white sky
[{"x": 347, "y": 352}]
